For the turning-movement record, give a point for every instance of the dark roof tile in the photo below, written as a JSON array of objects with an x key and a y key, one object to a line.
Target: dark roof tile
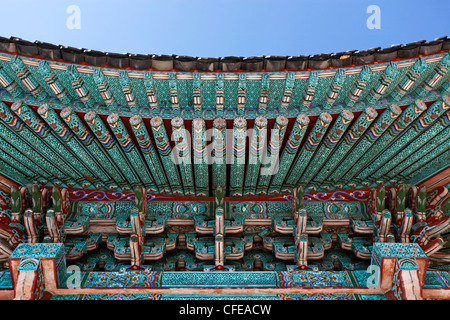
[
  {"x": 26, "y": 48},
  {"x": 342, "y": 59},
  {"x": 319, "y": 61},
  {"x": 207, "y": 64},
  {"x": 253, "y": 63},
  {"x": 48, "y": 50},
  {"x": 162, "y": 62},
  {"x": 95, "y": 58},
  {"x": 227, "y": 64},
  {"x": 387, "y": 54},
  {"x": 71, "y": 54},
  {"x": 185, "y": 63},
  {"x": 7, "y": 45},
  {"x": 297, "y": 63},
  {"x": 117, "y": 60},
  {"x": 230, "y": 63},
  {"x": 140, "y": 61},
  {"x": 431, "y": 47},
  {"x": 275, "y": 63},
  {"x": 409, "y": 50}
]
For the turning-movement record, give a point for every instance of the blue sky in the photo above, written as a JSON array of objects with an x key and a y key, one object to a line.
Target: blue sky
[{"x": 213, "y": 28}]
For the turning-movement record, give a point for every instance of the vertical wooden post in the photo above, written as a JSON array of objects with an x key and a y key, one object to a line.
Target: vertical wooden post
[{"x": 37, "y": 267}]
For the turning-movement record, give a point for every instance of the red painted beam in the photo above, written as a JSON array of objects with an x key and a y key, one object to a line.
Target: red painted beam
[
  {"x": 109, "y": 195},
  {"x": 440, "y": 179},
  {"x": 6, "y": 183}
]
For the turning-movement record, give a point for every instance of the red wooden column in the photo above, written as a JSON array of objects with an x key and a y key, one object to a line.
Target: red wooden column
[
  {"x": 35, "y": 268},
  {"x": 402, "y": 269}
]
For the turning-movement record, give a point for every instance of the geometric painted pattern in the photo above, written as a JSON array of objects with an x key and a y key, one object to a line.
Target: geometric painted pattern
[
  {"x": 65, "y": 124},
  {"x": 154, "y": 279},
  {"x": 191, "y": 297}
]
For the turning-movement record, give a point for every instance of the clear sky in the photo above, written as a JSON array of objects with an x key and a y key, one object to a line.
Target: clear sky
[{"x": 213, "y": 28}]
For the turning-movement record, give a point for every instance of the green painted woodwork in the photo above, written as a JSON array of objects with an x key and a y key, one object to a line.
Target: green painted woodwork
[
  {"x": 299, "y": 198},
  {"x": 52, "y": 146},
  {"x": 381, "y": 199},
  {"x": 56, "y": 200},
  {"x": 401, "y": 198},
  {"x": 16, "y": 201},
  {"x": 421, "y": 199},
  {"x": 36, "y": 198}
]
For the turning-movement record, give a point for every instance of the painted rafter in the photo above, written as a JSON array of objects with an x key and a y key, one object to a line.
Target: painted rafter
[
  {"x": 219, "y": 153},
  {"x": 440, "y": 152},
  {"x": 271, "y": 161},
  {"x": 401, "y": 123},
  {"x": 174, "y": 100},
  {"x": 65, "y": 133},
  {"x": 54, "y": 83},
  {"x": 128, "y": 92},
  {"x": 422, "y": 123},
  {"x": 431, "y": 168},
  {"x": 288, "y": 88},
  {"x": 220, "y": 94},
  {"x": 347, "y": 142},
  {"x": 359, "y": 86},
  {"x": 80, "y": 87},
  {"x": 330, "y": 142},
  {"x": 13, "y": 156},
  {"x": 430, "y": 149},
  {"x": 197, "y": 94},
  {"x": 313, "y": 82},
  {"x": 307, "y": 151},
  {"x": 76, "y": 166},
  {"x": 22, "y": 133},
  {"x": 263, "y": 95},
  {"x": 87, "y": 138},
  {"x": 255, "y": 154},
  {"x": 375, "y": 131},
  {"x": 24, "y": 74},
  {"x": 149, "y": 152},
  {"x": 10, "y": 85},
  {"x": 424, "y": 158},
  {"x": 335, "y": 88},
  {"x": 445, "y": 89},
  {"x": 200, "y": 157},
  {"x": 409, "y": 80},
  {"x": 238, "y": 164},
  {"x": 130, "y": 151},
  {"x": 183, "y": 153},
  {"x": 439, "y": 73},
  {"x": 417, "y": 142},
  {"x": 110, "y": 144},
  {"x": 12, "y": 173},
  {"x": 289, "y": 152},
  {"x": 104, "y": 89},
  {"x": 15, "y": 132},
  {"x": 23, "y": 160},
  {"x": 165, "y": 152},
  {"x": 382, "y": 86},
  {"x": 242, "y": 86},
  {"x": 151, "y": 92}
]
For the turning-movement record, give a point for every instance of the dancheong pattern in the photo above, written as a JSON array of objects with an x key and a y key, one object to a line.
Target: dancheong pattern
[{"x": 318, "y": 184}]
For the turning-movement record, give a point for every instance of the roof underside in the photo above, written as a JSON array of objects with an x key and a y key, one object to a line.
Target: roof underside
[{"x": 349, "y": 127}]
